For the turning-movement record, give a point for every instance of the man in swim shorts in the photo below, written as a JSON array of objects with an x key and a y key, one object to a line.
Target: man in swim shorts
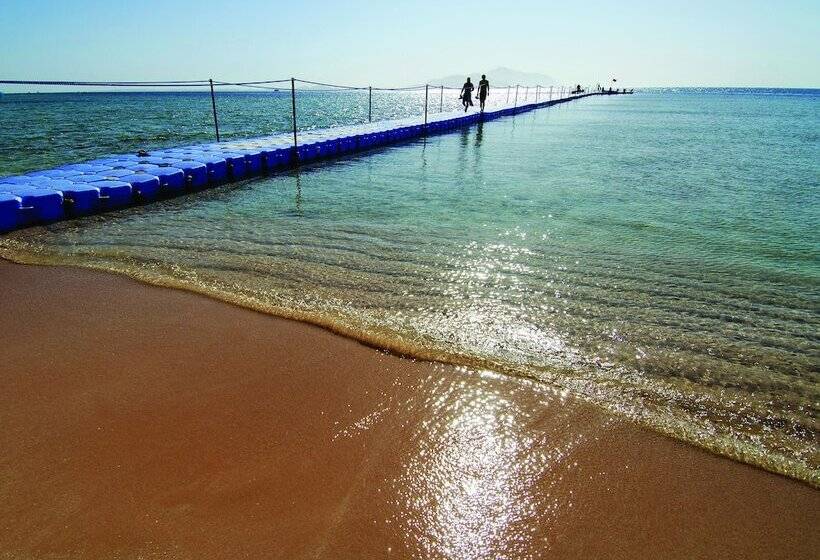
[{"x": 483, "y": 91}]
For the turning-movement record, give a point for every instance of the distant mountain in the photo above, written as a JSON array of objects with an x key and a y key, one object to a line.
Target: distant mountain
[{"x": 498, "y": 77}]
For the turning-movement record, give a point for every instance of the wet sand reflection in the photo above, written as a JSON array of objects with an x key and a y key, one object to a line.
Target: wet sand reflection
[{"x": 474, "y": 486}]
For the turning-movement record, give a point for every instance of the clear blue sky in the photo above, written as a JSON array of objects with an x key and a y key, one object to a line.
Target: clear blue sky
[{"x": 642, "y": 42}]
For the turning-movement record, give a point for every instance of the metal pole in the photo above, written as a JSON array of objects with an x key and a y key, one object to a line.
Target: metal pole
[
  {"x": 537, "y": 90},
  {"x": 550, "y": 93},
  {"x": 426, "y": 96},
  {"x": 508, "y": 96},
  {"x": 526, "y": 93},
  {"x": 441, "y": 101},
  {"x": 293, "y": 101},
  {"x": 213, "y": 106},
  {"x": 370, "y": 104},
  {"x": 515, "y": 103}
]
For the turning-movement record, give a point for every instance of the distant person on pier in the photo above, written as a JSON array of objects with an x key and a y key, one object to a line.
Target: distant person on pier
[
  {"x": 467, "y": 94},
  {"x": 483, "y": 91}
]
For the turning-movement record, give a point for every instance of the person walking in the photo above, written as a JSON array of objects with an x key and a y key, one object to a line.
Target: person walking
[
  {"x": 483, "y": 91},
  {"x": 467, "y": 94}
]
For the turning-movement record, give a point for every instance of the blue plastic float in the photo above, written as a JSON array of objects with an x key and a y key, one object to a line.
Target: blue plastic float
[{"x": 9, "y": 211}]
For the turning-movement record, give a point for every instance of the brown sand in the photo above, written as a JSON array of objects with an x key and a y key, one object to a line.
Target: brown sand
[{"x": 140, "y": 422}]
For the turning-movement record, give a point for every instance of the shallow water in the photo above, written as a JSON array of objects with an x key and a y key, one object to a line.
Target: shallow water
[{"x": 654, "y": 253}]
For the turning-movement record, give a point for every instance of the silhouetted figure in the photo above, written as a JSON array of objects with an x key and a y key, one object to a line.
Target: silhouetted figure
[
  {"x": 467, "y": 94},
  {"x": 483, "y": 91}
]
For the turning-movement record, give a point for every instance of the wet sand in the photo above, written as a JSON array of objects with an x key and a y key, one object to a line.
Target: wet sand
[{"x": 141, "y": 422}]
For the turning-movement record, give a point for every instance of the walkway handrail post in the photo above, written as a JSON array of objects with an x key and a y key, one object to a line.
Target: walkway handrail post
[
  {"x": 426, "y": 97},
  {"x": 551, "y": 92},
  {"x": 441, "y": 101},
  {"x": 515, "y": 103},
  {"x": 213, "y": 106},
  {"x": 508, "y": 96},
  {"x": 526, "y": 93},
  {"x": 537, "y": 91},
  {"x": 293, "y": 104},
  {"x": 370, "y": 104}
]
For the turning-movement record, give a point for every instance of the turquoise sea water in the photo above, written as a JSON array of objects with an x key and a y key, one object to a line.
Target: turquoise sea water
[{"x": 656, "y": 254}]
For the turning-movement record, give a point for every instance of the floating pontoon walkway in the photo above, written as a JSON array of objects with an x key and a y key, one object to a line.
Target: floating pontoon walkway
[{"x": 122, "y": 180}]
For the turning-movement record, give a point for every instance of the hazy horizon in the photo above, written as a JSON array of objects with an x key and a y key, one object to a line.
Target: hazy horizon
[{"x": 736, "y": 44}]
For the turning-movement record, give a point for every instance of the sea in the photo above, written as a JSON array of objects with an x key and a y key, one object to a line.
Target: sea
[{"x": 656, "y": 254}]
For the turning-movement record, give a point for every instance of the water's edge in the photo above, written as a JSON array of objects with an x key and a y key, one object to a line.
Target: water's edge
[{"x": 720, "y": 445}]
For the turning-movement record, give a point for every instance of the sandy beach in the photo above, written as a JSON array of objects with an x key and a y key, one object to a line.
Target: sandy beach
[{"x": 142, "y": 422}]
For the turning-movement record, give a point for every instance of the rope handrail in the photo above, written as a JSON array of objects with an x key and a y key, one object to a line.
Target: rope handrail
[
  {"x": 408, "y": 88},
  {"x": 167, "y": 83},
  {"x": 252, "y": 83},
  {"x": 337, "y": 86},
  {"x": 254, "y": 86}
]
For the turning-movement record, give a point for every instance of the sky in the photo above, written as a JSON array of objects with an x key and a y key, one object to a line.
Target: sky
[{"x": 359, "y": 42}]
